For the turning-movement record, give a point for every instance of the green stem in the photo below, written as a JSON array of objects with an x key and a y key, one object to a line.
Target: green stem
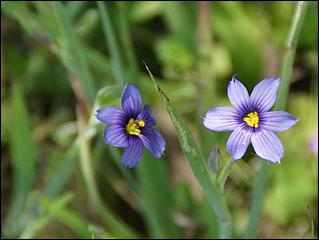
[
  {"x": 112, "y": 45},
  {"x": 114, "y": 223},
  {"x": 224, "y": 174},
  {"x": 262, "y": 177},
  {"x": 126, "y": 39}
]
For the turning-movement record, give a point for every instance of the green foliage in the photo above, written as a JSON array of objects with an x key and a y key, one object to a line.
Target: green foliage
[{"x": 60, "y": 180}]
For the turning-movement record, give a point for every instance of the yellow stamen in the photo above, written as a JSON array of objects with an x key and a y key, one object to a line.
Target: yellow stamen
[
  {"x": 133, "y": 127},
  {"x": 252, "y": 119},
  {"x": 141, "y": 123}
]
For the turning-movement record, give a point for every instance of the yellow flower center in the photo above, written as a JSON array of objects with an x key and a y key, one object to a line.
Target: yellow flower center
[
  {"x": 133, "y": 126},
  {"x": 252, "y": 119}
]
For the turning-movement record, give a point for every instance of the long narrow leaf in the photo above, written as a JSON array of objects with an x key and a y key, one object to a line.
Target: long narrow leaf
[
  {"x": 23, "y": 159},
  {"x": 197, "y": 163}
]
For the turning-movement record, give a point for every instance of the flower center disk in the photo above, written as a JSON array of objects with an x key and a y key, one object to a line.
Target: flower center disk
[
  {"x": 252, "y": 119},
  {"x": 133, "y": 127}
]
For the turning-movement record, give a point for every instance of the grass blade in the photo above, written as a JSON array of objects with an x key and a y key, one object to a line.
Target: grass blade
[
  {"x": 23, "y": 159},
  {"x": 38, "y": 224},
  {"x": 71, "y": 53},
  {"x": 197, "y": 163},
  {"x": 112, "y": 45}
]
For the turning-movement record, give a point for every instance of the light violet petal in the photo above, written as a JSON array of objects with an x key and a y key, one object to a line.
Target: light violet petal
[
  {"x": 238, "y": 141},
  {"x": 131, "y": 100},
  {"x": 277, "y": 121},
  {"x": 267, "y": 145},
  {"x": 111, "y": 115},
  {"x": 116, "y": 135},
  {"x": 221, "y": 119},
  {"x": 264, "y": 94},
  {"x": 238, "y": 95},
  {"x": 153, "y": 141},
  {"x": 133, "y": 153}
]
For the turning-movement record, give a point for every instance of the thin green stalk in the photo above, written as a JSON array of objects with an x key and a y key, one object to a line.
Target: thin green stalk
[
  {"x": 113, "y": 223},
  {"x": 111, "y": 42},
  {"x": 262, "y": 177},
  {"x": 224, "y": 174},
  {"x": 126, "y": 39}
]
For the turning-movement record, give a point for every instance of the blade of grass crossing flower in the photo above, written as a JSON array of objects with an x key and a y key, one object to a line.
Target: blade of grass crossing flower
[
  {"x": 197, "y": 163},
  {"x": 23, "y": 159},
  {"x": 287, "y": 69}
]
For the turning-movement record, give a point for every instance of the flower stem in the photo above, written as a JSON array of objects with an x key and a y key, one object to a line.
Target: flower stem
[
  {"x": 262, "y": 177},
  {"x": 224, "y": 174},
  {"x": 113, "y": 222}
]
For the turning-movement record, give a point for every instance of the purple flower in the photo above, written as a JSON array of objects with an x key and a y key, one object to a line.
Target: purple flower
[
  {"x": 250, "y": 120},
  {"x": 313, "y": 144},
  {"x": 131, "y": 127}
]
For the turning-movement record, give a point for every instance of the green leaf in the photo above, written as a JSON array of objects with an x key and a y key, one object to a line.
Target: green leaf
[
  {"x": 157, "y": 197},
  {"x": 197, "y": 163},
  {"x": 34, "y": 227},
  {"x": 23, "y": 158}
]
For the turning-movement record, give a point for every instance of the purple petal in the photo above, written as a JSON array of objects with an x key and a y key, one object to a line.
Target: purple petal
[
  {"x": 267, "y": 145},
  {"x": 116, "y": 135},
  {"x": 238, "y": 95},
  {"x": 238, "y": 141},
  {"x": 133, "y": 152},
  {"x": 131, "y": 100},
  {"x": 147, "y": 116},
  {"x": 153, "y": 141},
  {"x": 277, "y": 121},
  {"x": 264, "y": 94},
  {"x": 221, "y": 119},
  {"x": 111, "y": 115}
]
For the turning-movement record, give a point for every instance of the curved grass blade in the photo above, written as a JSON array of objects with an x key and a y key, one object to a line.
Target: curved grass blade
[{"x": 197, "y": 163}]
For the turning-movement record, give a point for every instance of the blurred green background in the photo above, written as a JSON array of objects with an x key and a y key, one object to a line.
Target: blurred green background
[{"x": 59, "y": 179}]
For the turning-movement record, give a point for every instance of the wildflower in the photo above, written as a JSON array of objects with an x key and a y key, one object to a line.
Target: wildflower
[
  {"x": 250, "y": 120},
  {"x": 131, "y": 127}
]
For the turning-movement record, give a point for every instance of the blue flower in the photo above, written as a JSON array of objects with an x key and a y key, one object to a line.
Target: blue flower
[
  {"x": 250, "y": 120},
  {"x": 131, "y": 127}
]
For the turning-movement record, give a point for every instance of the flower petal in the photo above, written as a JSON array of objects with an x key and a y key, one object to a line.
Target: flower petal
[
  {"x": 238, "y": 95},
  {"x": 153, "y": 141},
  {"x": 277, "y": 121},
  {"x": 133, "y": 153},
  {"x": 221, "y": 119},
  {"x": 238, "y": 141},
  {"x": 111, "y": 115},
  {"x": 147, "y": 116},
  {"x": 264, "y": 94},
  {"x": 116, "y": 135},
  {"x": 131, "y": 100},
  {"x": 267, "y": 145}
]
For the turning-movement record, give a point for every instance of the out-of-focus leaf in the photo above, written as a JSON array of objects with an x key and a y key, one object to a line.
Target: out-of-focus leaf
[
  {"x": 68, "y": 217},
  {"x": 23, "y": 158},
  {"x": 158, "y": 208},
  {"x": 144, "y": 10},
  {"x": 34, "y": 227}
]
